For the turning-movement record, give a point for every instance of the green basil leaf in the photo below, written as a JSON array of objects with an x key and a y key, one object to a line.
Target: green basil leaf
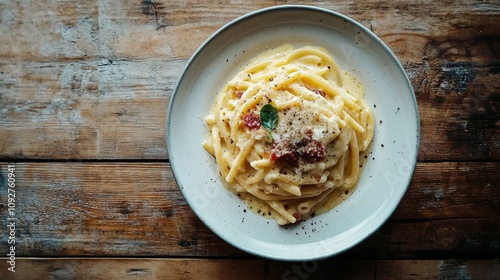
[{"x": 269, "y": 116}]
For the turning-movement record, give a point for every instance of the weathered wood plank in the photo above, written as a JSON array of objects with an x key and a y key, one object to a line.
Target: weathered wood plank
[
  {"x": 452, "y": 190},
  {"x": 438, "y": 269},
  {"x": 48, "y": 31},
  {"x": 341, "y": 268},
  {"x": 450, "y": 238},
  {"x": 333, "y": 268},
  {"x": 458, "y": 105},
  {"x": 72, "y": 110},
  {"x": 105, "y": 268},
  {"x": 180, "y": 268},
  {"x": 54, "y": 30},
  {"x": 95, "y": 78},
  {"x": 122, "y": 209}
]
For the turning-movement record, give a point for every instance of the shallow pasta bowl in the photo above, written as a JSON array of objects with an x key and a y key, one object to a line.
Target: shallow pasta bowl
[{"x": 387, "y": 172}]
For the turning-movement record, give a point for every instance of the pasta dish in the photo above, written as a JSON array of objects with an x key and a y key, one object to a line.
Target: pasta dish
[{"x": 289, "y": 133}]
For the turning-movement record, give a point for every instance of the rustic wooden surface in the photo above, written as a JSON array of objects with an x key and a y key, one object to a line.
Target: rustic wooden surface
[{"x": 84, "y": 88}]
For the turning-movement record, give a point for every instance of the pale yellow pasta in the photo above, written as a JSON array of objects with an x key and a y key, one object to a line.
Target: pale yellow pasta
[{"x": 313, "y": 149}]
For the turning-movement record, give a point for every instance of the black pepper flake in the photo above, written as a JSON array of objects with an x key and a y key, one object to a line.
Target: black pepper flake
[
  {"x": 382, "y": 145},
  {"x": 374, "y": 106},
  {"x": 380, "y": 122}
]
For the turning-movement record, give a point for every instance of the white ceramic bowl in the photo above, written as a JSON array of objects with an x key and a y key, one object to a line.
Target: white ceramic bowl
[{"x": 387, "y": 173}]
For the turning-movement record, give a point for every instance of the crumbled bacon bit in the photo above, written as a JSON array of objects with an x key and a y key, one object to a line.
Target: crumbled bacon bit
[
  {"x": 283, "y": 155},
  {"x": 314, "y": 151},
  {"x": 252, "y": 121},
  {"x": 239, "y": 94},
  {"x": 308, "y": 149},
  {"x": 287, "y": 158},
  {"x": 297, "y": 216}
]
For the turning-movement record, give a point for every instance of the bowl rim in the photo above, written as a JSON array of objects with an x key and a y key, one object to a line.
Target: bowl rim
[{"x": 271, "y": 9}]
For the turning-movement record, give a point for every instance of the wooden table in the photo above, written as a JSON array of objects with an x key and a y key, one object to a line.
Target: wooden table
[{"x": 84, "y": 90}]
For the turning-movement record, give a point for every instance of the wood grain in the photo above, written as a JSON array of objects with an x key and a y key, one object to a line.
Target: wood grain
[
  {"x": 123, "y": 209},
  {"x": 84, "y": 90},
  {"x": 452, "y": 190},
  {"x": 437, "y": 269},
  {"x": 94, "y": 80},
  {"x": 182, "y": 268},
  {"x": 129, "y": 268}
]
